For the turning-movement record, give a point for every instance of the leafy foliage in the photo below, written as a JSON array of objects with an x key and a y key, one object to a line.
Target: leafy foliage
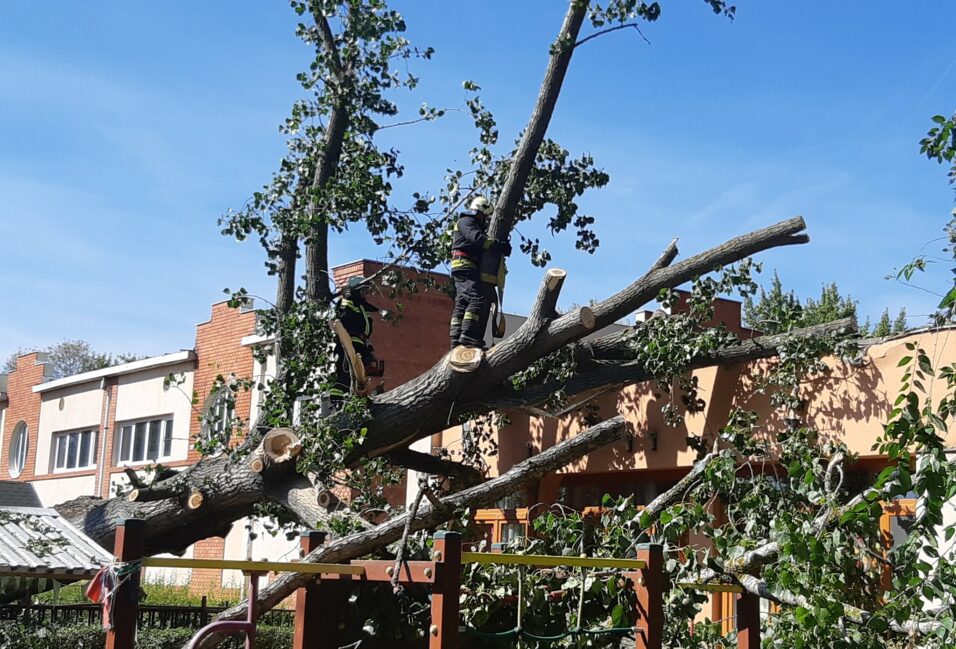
[
  {"x": 70, "y": 357},
  {"x": 15, "y": 635},
  {"x": 779, "y": 311}
]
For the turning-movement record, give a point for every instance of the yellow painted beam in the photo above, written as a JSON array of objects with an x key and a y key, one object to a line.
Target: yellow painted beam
[
  {"x": 712, "y": 588},
  {"x": 541, "y": 560},
  {"x": 255, "y": 566}
]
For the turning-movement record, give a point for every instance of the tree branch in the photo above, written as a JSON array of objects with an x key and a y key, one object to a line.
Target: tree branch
[
  {"x": 429, "y": 517},
  {"x": 461, "y": 475},
  {"x": 513, "y": 187},
  {"x": 620, "y": 373},
  {"x": 612, "y": 29},
  {"x": 423, "y": 405}
]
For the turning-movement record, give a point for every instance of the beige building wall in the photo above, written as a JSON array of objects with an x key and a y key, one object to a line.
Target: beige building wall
[
  {"x": 76, "y": 407},
  {"x": 143, "y": 396},
  {"x": 59, "y": 490},
  {"x": 236, "y": 548},
  {"x": 170, "y": 576},
  {"x": 3, "y": 422},
  {"x": 265, "y": 373}
]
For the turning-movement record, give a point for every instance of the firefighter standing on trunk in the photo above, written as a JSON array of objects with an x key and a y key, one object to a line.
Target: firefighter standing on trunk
[{"x": 473, "y": 297}]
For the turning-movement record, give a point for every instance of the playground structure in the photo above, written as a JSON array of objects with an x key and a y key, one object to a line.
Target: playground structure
[{"x": 316, "y": 622}]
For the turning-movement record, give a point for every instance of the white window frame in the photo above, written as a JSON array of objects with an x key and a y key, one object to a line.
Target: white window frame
[
  {"x": 62, "y": 440},
  {"x": 125, "y": 452},
  {"x": 19, "y": 449},
  {"x": 219, "y": 415}
]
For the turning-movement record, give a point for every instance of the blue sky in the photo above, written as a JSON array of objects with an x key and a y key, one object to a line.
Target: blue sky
[{"x": 126, "y": 129}]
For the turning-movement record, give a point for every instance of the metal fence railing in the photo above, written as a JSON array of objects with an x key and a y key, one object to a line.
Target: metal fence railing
[{"x": 150, "y": 616}]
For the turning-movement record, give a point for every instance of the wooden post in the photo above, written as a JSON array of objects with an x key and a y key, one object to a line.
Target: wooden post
[
  {"x": 443, "y": 633},
  {"x": 748, "y": 621},
  {"x": 308, "y": 612},
  {"x": 127, "y": 547},
  {"x": 650, "y": 596}
]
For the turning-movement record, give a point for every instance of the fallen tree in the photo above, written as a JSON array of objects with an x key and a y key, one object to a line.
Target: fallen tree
[{"x": 336, "y": 176}]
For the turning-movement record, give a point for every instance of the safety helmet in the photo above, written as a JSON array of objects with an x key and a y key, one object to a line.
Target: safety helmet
[
  {"x": 356, "y": 284},
  {"x": 481, "y": 205}
]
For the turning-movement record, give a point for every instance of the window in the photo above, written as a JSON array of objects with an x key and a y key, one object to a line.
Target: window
[
  {"x": 19, "y": 444},
  {"x": 218, "y": 420},
  {"x": 74, "y": 450},
  {"x": 146, "y": 441}
]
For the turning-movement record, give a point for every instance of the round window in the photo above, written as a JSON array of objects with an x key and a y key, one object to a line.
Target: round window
[{"x": 18, "y": 449}]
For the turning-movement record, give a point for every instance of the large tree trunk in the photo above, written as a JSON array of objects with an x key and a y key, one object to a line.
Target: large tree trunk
[{"x": 415, "y": 410}]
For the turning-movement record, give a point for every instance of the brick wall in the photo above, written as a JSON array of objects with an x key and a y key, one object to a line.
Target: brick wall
[
  {"x": 420, "y": 338},
  {"x": 24, "y": 405},
  {"x": 207, "y": 581},
  {"x": 219, "y": 352}
]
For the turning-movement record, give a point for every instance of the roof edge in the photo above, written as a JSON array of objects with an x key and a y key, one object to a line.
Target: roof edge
[{"x": 118, "y": 370}]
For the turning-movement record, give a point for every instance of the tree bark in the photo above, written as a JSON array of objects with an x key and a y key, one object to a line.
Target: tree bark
[
  {"x": 523, "y": 161},
  {"x": 317, "y": 286},
  {"x": 461, "y": 475},
  {"x": 626, "y": 372},
  {"x": 440, "y": 396}
]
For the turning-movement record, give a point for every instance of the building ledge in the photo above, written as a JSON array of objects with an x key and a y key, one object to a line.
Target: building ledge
[{"x": 118, "y": 370}]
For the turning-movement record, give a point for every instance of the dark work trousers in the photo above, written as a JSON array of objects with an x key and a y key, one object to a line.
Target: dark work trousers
[
  {"x": 343, "y": 371},
  {"x": 473, "y": 299}
]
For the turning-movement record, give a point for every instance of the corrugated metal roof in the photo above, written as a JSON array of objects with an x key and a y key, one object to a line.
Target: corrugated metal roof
[{"x": 34, "y": 540}]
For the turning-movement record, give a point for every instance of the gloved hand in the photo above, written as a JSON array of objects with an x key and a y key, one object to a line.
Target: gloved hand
[{"x": 505, "y": 248}]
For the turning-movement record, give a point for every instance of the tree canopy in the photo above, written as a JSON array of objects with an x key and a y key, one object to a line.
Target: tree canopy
[
  {"x": 70, "y": 357},
  {"x": 823, "y": 562}
]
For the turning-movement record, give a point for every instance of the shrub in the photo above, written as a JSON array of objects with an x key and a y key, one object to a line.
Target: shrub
[
  {"x": 14, "y": 635},
  {"x": 154, "y": 591}
]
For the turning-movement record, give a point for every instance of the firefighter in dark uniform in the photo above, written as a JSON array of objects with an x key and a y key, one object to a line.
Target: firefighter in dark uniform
[
  {"x": 355, "y": 313},
  {"x": 473, "y": 297}
]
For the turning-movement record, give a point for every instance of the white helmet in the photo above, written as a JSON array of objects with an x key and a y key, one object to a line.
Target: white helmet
[{"x": 482, "y": 205}]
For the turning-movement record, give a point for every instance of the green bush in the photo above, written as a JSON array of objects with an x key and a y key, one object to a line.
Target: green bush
[
  {"x": 14, "y": 635},
  {"x": 154, "y": 592}
]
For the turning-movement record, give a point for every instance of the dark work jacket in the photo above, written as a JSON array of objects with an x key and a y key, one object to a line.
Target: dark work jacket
[
  {"x": 470, "y": 237},
  {"x": 356, "y": 314}
]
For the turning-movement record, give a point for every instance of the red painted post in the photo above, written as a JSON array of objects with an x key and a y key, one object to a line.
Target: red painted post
[
  {"x": 443, "y": 633},
  {"x": 650, "y": 597},
  {"x": 125, "y": 606},
  {"x": 748, "y": 621},
  {"x": 308, "y": 611}
]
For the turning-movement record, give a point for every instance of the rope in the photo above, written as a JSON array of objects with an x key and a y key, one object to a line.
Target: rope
[
  {"x": 511, "y": 633},
  {"x": 103, "y": 587},
  {"x": 521, "y": 633}
]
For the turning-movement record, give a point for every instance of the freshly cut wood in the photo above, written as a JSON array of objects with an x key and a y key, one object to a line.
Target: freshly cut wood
[
  {"x": 465, "y": 359},
  {"x": 281, "y": 444},
  {"x": 278, "y": 446},
  {"x": 195, "y": 499}
]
